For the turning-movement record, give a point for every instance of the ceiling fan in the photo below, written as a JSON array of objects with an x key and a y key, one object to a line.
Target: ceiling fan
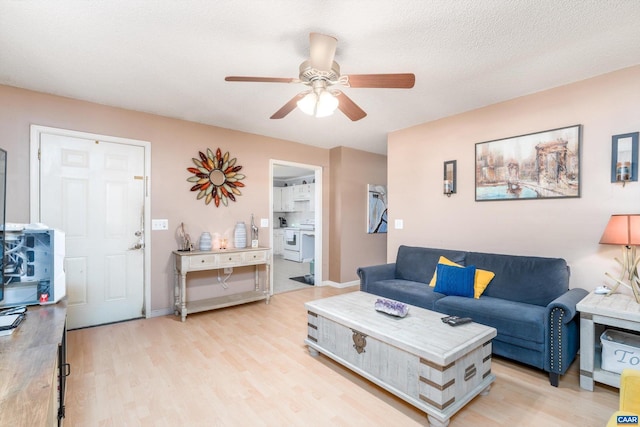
[{"x": 320, "y": 73}]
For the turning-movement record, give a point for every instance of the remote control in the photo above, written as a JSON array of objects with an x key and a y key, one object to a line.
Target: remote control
[{"x": 459, "y": 321}]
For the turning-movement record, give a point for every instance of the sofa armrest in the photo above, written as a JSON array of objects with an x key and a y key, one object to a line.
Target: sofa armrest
[
  {"x": 567, "y": 302},
  {"x": 563, "y": 333},
  {"x": 374, "y": 273}
]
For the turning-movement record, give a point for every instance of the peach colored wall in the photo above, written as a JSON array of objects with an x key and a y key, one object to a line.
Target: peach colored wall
[
  {"x": 173, "y": 144},
  {"x": 352, "y": 170},
  {"x": 569, "y": 228},
  {"x": 335, "y": 231}
]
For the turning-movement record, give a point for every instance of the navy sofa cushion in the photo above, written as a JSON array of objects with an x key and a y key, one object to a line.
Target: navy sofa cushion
[
  {"x": 518, "y": 323},
  {"x": 526, "y": 279},
  {"x": 418, "y": 264},
  {"x": 413, "y": 293}
]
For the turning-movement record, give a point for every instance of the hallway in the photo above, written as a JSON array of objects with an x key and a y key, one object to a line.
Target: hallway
[{"x": 284, "y": 269}]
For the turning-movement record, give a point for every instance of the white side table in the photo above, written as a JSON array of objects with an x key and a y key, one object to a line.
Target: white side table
[{"x": 596, "y": 313}]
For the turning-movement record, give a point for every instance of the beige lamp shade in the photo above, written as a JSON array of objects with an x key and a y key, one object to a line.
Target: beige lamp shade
[{"x": 622, "y": 230}]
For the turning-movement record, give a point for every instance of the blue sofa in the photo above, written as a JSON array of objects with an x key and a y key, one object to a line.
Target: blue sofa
[{"x": 528, "y": 301}]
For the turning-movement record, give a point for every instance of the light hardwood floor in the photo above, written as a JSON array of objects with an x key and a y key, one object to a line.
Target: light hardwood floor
[{"x": 247, "y": 365}]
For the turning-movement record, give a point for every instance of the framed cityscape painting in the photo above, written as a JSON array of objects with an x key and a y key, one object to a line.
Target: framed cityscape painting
[
  {"x": 376, "y": 208},
  {"x": 541, "y": 165}
]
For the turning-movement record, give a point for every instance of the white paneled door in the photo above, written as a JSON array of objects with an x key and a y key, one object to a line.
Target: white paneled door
[{"x": 94, "y": 191}]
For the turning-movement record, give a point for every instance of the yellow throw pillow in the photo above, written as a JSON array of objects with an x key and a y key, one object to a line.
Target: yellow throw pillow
[
  {"x": 482, "y": 278},
  {"x": 444, "y": 261}
]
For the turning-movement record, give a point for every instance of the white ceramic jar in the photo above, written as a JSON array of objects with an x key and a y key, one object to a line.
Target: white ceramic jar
[
  {"x": 240, "y": 235},
  {"x": 205, "y": 241}
]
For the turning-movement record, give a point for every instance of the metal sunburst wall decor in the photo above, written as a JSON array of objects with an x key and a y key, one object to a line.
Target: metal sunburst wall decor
[{"x": 216, "y": 177}]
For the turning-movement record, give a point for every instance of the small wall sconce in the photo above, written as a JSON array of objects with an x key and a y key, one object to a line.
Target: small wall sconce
[
  {"x": 449, "y": 178},
  {"x": 624, "y": 158}
]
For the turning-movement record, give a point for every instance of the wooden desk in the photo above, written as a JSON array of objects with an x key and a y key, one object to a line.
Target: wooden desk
[
  {"x": 186, "y": 262},
  {"x": 597, "y": 312},
  {"x": 29, "y": 368}
]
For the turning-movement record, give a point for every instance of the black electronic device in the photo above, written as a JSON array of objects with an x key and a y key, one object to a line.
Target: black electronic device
[{"x": 456, "y": 320}]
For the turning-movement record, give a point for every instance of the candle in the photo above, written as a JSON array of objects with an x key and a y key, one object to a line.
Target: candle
[{"x": 448, "y": 188}]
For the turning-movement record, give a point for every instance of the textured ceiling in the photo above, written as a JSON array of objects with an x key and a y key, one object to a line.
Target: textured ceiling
[{"x": 170, "y": 57}]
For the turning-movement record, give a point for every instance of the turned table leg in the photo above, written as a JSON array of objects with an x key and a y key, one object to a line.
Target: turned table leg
[{"x": 183, "y": 296}]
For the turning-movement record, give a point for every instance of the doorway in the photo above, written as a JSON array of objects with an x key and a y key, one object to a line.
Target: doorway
[
  {"x": 95, "y": 189},
  {"x": 296, "y": 220}
]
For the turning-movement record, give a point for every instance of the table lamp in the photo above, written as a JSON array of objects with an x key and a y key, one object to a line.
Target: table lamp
[{"x": 624, "y": 230}]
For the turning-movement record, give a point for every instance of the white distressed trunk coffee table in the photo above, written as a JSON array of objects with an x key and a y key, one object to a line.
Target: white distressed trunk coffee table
[{"x": 433, "y": 366}]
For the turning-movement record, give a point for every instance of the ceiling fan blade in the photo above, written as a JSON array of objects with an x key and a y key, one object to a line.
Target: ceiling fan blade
[
  {"x": 395, "y": 81},
  {"x": 261, "y": 79},
  {"x": 322, "y": 49},
  {"x": 348, "y": 107},
  {"x": 288, "y": 107}
]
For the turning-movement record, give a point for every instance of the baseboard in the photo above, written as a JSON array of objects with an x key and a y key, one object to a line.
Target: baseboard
[
  {"x": 161, "y": 312},
  {"x": 340, "y": 285}
]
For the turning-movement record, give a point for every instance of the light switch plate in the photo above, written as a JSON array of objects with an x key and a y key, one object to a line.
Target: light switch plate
[
  {"x": 399, "y": 224},
  {"x": 264, "y": 222},
  {"x": 159, "y": 224}
]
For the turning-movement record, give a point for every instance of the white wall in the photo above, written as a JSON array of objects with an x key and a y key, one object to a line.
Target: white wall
[{"x": 568, "y": 228}]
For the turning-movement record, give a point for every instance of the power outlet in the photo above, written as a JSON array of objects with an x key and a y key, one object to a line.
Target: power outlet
[
  {"x": 159, "y": 224},
  {"x": 228, "y": 270}
]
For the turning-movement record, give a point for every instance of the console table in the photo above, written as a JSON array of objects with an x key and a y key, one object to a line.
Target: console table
[
  {"x": 597, "y": 312},
  {"x": 186, "y": 262}
]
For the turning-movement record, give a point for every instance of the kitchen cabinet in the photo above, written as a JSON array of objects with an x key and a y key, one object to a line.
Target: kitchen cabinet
[
  {"x": 303, "y": 191},
  {"x": 277, "y": 199},
  {"x": 294, "y": 198},
  {"x": 287, "y": 199},
  {"x": 283, "y": 199},
  {"x": 312, "y": 197},
  {"x": 278, "y": 242}
]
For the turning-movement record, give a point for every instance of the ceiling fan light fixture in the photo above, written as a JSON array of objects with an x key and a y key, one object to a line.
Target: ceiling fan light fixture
[
  {"x": 321, "y": 105},
  {"x": 327, "y": 104},
  {"x": 308, "y": 103},
  {"x": 320, "y": 73}
]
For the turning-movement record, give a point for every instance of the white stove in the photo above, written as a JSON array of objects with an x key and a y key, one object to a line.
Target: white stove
[{"x": 299, "y": 242}]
